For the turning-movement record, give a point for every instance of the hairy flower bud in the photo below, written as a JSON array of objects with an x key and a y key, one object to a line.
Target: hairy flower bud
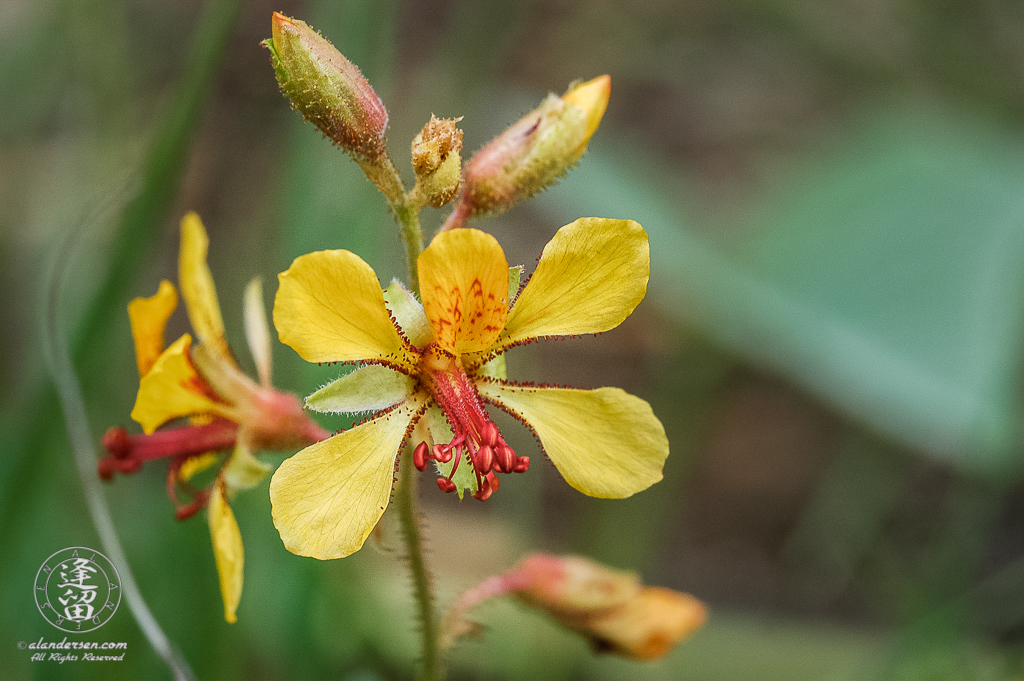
[
  {"x": 535, "y": 151},
  {"x": 437, "y": 160},
  {"x": 327, "y": 88}
]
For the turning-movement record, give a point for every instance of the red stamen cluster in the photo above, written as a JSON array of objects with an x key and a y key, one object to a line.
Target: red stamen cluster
[
  {"x": 476, "y": 437},
  {"x": 127, "y": 453}
]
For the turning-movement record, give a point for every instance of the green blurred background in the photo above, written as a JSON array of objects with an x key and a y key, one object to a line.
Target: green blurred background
[{"x": 832, "y": 337}]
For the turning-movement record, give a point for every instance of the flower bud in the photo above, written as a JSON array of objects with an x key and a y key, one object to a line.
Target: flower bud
[
  {"x": 610, "y": 607},
  {"x": 327, "y": 88},
  {"x": 437, "y": 161},
  {"x": 537, "y": 150}
]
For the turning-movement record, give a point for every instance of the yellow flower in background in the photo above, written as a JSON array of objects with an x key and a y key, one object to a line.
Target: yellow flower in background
[
  {"x": 427, "y": 371},
  {"x": 228, "y": 411}
]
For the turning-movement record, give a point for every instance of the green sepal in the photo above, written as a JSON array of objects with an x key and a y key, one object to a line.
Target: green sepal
[
  {"x": 368, "y": 388},
  {"x": 515, "y": 275},
  {"x": 408, "y": 313},
  {"x": 243, "y": 470}
]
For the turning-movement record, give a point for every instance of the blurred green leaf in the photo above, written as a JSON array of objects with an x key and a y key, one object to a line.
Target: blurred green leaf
[{"x": 884, "y": 276}]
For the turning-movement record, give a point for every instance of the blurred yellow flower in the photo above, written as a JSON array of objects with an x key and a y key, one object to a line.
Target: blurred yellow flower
[
  {"x": 429, "y": 370},
  {"x": 227, "y": 409}
]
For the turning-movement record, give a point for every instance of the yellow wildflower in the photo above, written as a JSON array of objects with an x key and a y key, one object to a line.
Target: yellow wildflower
[{"x": 433, "y": 368}]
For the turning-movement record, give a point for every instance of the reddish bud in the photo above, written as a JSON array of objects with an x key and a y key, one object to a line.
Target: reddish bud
[{"x": 327, "y": 88}]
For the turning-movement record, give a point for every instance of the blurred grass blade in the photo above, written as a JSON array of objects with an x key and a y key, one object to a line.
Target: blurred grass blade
[
  {"x": 144, "y": 217},
  {"x": 140, "y": 222}
]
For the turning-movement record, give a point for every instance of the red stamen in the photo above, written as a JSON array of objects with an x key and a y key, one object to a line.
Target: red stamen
[
  {"x": 199, "y": 502},
  {"x": 504, "y": 459},
  {"x": 420, "y": 456},
  {"x": 188, "y": 441},
  {"x": 473, "y": 429},
  {"x": 484, "y": 460},
  {"x": 442, "y": 453}
]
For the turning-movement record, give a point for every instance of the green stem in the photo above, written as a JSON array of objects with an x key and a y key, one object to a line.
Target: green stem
[
  {"x": 405, "y": 205},
  {"x": 405, "y": 500},
  {"x": 407, "y": 214}
]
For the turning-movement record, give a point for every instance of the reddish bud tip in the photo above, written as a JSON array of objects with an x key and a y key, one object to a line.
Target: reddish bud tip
[
  {"x": 446, "y": 485},
  {"x": 522, "y": 464}
]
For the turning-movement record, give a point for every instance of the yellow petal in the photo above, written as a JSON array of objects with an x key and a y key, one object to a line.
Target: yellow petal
[
  {"x": 330, "y": 308},
  {"x": 590, "y": 277},
  {"x": 649, "y": 626},
  {"x": 328, "y": 498},
  {"x": 464, "y": 285},
  {"x": 227, "y": 549},
  {"x": 172, "y": 389},
  {"x": 243, "y": 470},
  {"x": 257, "y": 330},
  {"x": 592, "y": 97},
  {"x": 606, "y": 443},
  {"x": 194, "y": 465},
  {"x": 148, "y": 318},
  {"x": 197, "y": 286}
]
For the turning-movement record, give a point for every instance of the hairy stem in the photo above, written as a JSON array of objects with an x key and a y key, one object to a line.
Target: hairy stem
[
  {"x": 405, "y": 500},
  {"x": 406, "y": 207}
]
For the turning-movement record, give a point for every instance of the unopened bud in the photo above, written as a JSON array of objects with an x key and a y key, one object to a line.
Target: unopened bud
[
  {"x": 437, "y": 160},
  {"x": 610, "y": 607},
  {"x": 327, "y": 88},
  {"x": 537, "y": 150}
]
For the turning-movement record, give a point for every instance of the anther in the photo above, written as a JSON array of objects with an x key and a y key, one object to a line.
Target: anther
[
  {"x": 446, "y": 485},
  {"x": 485, "y": 491},
  {"x": 420, "y": 455},
  {"x": 522, "y": 464},
  {"x": 443, "y": 453},
  {"x": 489, "y": 434},
  {"x": 116, "y": 441},
  {"x": 504, "y": 458},
  {"x": 484, "y": 459},
  {"x": 105, "y": 469}
]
